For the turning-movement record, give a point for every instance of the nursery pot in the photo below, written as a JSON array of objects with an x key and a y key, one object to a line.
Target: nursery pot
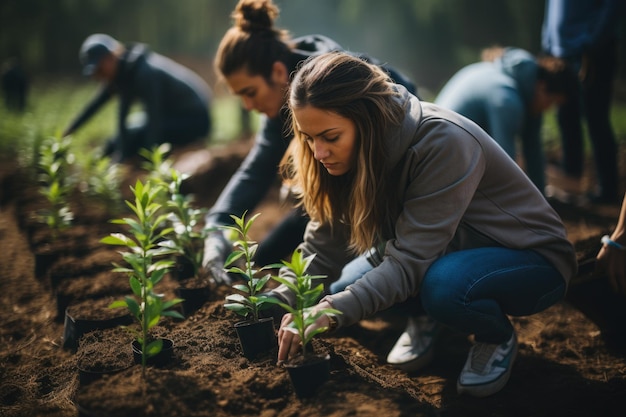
[
  {"x": 86, "y": 376},
  {"x": 193, "y": 298},
  {"x": 309, "y": 374},
  {"x": 43, "y": 262},
  {"x": 183, "y": 269},
  {"x": 75, "y": 327},
  {"x": 256, "y": 337},
  {"x": 165, "y": 356}
]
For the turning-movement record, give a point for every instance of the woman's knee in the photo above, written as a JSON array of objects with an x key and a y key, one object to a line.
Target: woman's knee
[{"x": 437, "y": 293}]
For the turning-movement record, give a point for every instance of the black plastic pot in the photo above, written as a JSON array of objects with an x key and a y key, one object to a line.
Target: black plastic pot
[
  {"x": 75, "y": 327},
  {"x": 87, "y": 376},
  {"x": 183, "y": 269},
  {"x": 193, "y": 298},
  {"x": 307, "y": 376},
  {"x": 256, "y": 337},
  {"x": 165, "y": 356},
  {"x": 43, "y": 262}
]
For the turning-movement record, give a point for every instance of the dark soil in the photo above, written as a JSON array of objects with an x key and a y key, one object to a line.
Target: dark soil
[{"x": 572, "y": 359}]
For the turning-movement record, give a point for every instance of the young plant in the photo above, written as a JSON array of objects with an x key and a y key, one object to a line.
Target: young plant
[
  {"x": 187, "y": 238},
  {"x": 144, "y": 270},
  {"x": 249, "y": 302},
  {"x": 54, "y": 165},
  {"x": 307, "y": 296},
  {"x": 157, "y": 163},
  {"x": 102, "y": 182}
]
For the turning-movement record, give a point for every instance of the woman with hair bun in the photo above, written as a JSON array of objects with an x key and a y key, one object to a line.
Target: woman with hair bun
[{"x": 256, "y": 60}]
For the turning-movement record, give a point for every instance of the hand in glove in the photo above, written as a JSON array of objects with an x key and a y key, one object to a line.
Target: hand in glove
[{"x": 216, "y": 250}]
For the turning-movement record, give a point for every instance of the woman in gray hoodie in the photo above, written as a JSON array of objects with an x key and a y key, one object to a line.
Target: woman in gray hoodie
[{"x": 463, "y": 227}]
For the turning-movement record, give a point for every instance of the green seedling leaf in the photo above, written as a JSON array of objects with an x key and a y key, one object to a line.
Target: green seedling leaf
[{"x": 154, "y": 348}]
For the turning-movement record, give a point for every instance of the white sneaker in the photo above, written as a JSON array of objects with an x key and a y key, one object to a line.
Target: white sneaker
[
  {"x": 414, "y": 349},
  {"x": 488, "y": 368}
]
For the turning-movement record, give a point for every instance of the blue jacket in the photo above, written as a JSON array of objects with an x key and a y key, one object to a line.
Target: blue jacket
[
  {"x": 497, "y": 96},
  {"x": 572, "y": 26},
  {"x": 259, "y": 171}
]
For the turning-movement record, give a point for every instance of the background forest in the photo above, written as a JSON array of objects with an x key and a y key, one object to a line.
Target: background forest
[{"x": 427, "y": 39}]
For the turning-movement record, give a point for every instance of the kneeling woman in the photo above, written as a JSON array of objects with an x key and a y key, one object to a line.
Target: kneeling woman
[{"x": 463, "y": 227}]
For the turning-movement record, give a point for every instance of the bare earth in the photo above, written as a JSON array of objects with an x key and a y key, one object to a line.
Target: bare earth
[{"x": 572, "y": 359}]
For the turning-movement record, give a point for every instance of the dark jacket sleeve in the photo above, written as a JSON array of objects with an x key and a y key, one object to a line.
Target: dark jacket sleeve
[
  {"x": 96, "y": 103},
  {"x": 255, "y": 176},
  {"x": 150, "y": 91}
]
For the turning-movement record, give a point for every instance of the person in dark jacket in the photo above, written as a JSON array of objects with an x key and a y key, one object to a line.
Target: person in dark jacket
[
  {"x": 176, "y": 101},
  {"x": 256, "y": 61}
]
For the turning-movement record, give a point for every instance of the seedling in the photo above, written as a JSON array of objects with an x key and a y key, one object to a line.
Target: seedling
[
  {"x": 248, "y": 302},
  {"x": 307, "y": 296},
  {"x": 102, "y": 182},
  {"x": 55, "y": 160},
  {"x": 144, "y": 270},
  {"x": 187, "y": 239},
  {"x": 157, "y": 163}
]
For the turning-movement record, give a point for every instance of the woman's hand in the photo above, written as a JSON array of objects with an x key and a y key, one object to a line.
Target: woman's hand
[{"x": 289, "y": 343}]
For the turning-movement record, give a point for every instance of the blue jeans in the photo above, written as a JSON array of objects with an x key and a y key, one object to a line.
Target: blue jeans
[
  {"x": 473, "y": 291},
  {"x": 351, "y": 272}
]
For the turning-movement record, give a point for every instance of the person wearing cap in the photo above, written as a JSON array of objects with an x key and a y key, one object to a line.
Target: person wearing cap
[{"x": 176, "y": 101}]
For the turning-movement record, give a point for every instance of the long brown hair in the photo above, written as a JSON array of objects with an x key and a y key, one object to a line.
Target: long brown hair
[
  {"x": 351, "y": 88},
  {"x": 252, "y": 43}
]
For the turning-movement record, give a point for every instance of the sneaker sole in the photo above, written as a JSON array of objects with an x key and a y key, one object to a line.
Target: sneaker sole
[
  {"x": 485, "y": 390},
  {"x": 418, "y": 363}
]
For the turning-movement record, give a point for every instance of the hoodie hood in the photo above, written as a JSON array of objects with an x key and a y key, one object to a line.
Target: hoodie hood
[
  {"x": 402, "y": 137},
  {"x": 521, "y": 66},
  {"x": 311, "y": 45}
]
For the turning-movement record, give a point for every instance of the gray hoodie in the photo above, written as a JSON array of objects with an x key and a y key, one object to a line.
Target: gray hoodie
[{"x": 457, "y": 190}]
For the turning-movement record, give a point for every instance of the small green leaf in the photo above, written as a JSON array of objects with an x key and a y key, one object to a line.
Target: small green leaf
[{"x": 154, "y": 348}]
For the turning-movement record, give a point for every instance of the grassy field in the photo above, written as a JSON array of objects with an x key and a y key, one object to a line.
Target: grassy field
[{"x": 51, "y": 107}]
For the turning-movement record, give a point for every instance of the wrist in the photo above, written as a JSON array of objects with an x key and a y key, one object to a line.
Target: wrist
[
  {"x": 607, "y": 241},
  {"x": 333, "y": 323}
]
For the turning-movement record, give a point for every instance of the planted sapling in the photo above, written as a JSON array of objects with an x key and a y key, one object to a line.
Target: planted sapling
[
  {"x": 188, "y": 235},
  {"x": 256, "y": 334},
  {"x": 306, "y": 294},
  {"x": 54, "y": 165},
  {"x": 249, "y": 301},
  {"x": 102, "y": 182},
  {"x": 144, "y": 268}
]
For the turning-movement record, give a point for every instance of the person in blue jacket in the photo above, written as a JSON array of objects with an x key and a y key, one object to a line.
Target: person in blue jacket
[
  {"x": 506, "y": 95},
  {"x": 256, "y": 61},
  {"x": 176, "y": 101},
  {"x": 585, "y": 33}
]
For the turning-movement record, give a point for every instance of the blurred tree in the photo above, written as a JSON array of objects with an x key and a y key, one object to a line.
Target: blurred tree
[{"x": 427, "y": 39}]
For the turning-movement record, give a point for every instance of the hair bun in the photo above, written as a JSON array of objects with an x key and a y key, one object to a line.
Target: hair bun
[{"x": 255, "y": 15}]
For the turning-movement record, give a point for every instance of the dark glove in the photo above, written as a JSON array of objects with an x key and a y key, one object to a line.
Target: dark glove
[{"x": 216, "y": 250}]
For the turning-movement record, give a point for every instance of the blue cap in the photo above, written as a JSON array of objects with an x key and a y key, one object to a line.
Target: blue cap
[{"x": 94, "y": 48}]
